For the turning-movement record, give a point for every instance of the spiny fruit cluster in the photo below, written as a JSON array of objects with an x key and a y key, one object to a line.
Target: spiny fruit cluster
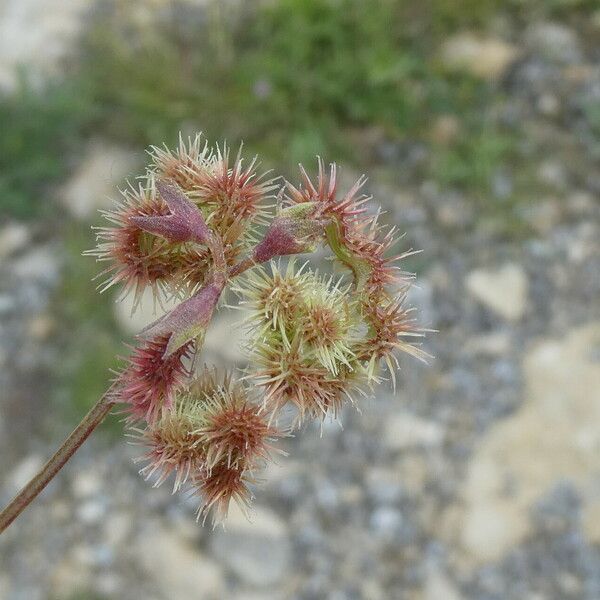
[{"x": 198, "y": 222}]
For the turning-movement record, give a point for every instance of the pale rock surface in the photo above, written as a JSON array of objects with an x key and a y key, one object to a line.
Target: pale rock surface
[
  {"x": 404, "y": 430},
  {"x": 179, "y": 570},
  {"x": 439, "y": 587},
  {"x": 86, "y": 484},
  {"x": 554, "y": 41},
  {"x": 258, "y": 550},
  {"x": 226, "y": 336},
  {"x": 495, "y": 343},
  {"x": 555, "y": 436},
  {"x": 13, "y": 237},
  {"x": 485, "y": 57},
  {"x": 69, "y": 577},
  {"x": 94, "y": 184},
  {"x": 503, "y": 290},
  {"x": 146, "y": 312},
  {"x": 40, "y": 263},
  {"x": 24, "y": 471},
  {"x": 38, "y": 35}
]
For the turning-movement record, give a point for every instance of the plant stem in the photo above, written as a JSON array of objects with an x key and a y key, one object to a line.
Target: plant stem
[{"x": 94, "y": 417}]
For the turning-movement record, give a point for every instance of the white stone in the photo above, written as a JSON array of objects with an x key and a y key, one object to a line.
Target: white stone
[
  {"x": 147, "y": 311},
  {"x": 483, "y": 57},
  {"x": 91, "y": 511},
  {"x": 95, "y": 183},
  {"x": 554, "y": 41},
  {"x": 258, "y": 550},
  {"x": 68, "y": 577},
  {"x": 503, "y": 290},
  {"x": 439, "y": 587},
  {"x": 554, "y": 437},
  {"x": 40, "y": 264},
  {"x": 36, "y": 34},
  {"x": 404, "y": 430},
  {"x": 13, "y": 237},
  {"x": 4, "y": 585},
  {"x": 496, "y": 343},
  {"x": 177, "y": 569},
  {"x": 24, "y": 471},
  {"x": 86, "y": 483},
  {"x": 117, "y": 528},
  {"x": 226, "y": 336}
]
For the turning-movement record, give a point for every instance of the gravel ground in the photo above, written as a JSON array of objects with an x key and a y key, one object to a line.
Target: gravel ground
[{"x": 479, "y": 478}]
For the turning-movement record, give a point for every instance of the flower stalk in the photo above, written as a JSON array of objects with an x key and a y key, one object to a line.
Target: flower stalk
[{"x": 80, "y": 434}]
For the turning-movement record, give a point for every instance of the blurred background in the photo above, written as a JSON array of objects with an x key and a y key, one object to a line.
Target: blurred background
[{"x": 478, "y": 123}]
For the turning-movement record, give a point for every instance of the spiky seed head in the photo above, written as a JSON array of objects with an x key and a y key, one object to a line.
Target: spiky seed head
[
  {"x": 187, "y": 165},
  {"x": 287, "y": 376},
  {"x": 324, "y": 194},
  {"x": 234, "y": 186},
  {"x": 327, "y": 325},
  {"x": 140, "y": 259},
  {"x": 147, "y": 385},
  {"x": 173, "y": 444},
  {"x": 393, "y": 328},
  {"x": 218, "y": 488},
  {"x": 235, "y": 431},
  {"x": 275, "y": 298}
]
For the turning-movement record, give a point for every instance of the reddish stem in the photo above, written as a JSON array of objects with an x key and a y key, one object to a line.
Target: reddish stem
[{"x": 94, "y": 417}]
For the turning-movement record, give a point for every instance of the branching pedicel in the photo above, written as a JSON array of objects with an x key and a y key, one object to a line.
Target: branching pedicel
[{"x": 316, "y": 342}]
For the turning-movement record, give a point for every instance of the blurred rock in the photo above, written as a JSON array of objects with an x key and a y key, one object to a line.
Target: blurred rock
[
  {"x": 553, "y": 174},
  {"x": 69, "y": 578},
  {"x": 591, "y": 520},
  {"x": 117, "y": 528},
  {"x": 146, "y": 312},
  {"x": 37, "y": 34},
  {"x": 480, "y": 56},
  {"x": 256, "y": 551},
  {"x": 503, "y": 290},
  {"x": 40, "y": 264},
  {"x": 555, "y": 42},
  {"x": 439, "y": 587},
  {"x": 386, "y": 523},
  {"x": 549, "y": 105},
  {"x": 454, "y": 211},
  {"x": 496, "y": 343},
  {"x": 94, "y": 184},
  {"x": 384, "y": 485},
  {"x": 41, "y": 326},
  {"x": 23, "y": 472},
  {"x": 554, "y": 436},
  {"x": 404, "y": 430},
  {"x": 4, "y": 585},
  {"x": 445, "y": 129},
  {"x": 176, "y": 567},
  {"x": 13, "y": 237},
  {"x": 544, "y": 215},
  {"x": 92, "y": 511},
  {"x": 86, "y": 483},
  {"x": 225, "y": 337}
]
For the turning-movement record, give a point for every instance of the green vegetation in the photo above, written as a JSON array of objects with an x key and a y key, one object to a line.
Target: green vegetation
[
  {"x": 91, "y": 339},
  {"x": 291, "y": 78},
  {"x": 40, "y": 134}
]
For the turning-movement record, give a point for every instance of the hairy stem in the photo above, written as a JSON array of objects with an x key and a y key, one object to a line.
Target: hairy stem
[{"x": 94, "y": 417}]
